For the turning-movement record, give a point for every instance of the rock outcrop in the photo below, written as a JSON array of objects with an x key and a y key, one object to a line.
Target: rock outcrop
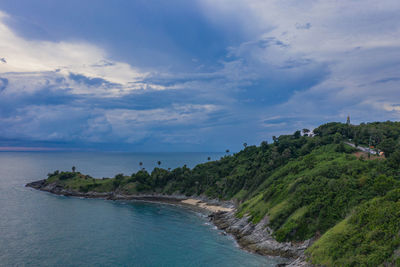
[{"x": 258, "y": 238}]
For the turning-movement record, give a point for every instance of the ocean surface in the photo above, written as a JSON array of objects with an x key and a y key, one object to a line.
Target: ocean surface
[{"x": 41, "y": 229}]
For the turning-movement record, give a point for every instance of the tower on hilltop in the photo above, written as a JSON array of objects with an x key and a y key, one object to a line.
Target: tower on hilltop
[{"x": 348, "y": 120}]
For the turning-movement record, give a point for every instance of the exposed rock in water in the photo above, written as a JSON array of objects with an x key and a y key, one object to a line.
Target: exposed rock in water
[{"x": 258, "y": 238}]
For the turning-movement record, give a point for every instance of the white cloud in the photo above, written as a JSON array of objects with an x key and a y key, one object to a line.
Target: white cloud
[
  {"x": 30, "y": 63},
  {"x": 135, "y": 124},
  {"x": 350, "y": 50},
  {"x": 358, "y": 41},
  {"x": 71, "y": 91}
]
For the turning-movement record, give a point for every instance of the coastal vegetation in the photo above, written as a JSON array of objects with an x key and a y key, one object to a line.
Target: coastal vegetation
[{"x": 310, "y": 185}]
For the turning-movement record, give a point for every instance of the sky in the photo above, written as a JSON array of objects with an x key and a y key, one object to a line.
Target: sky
[{"x": 199, "y": 75}]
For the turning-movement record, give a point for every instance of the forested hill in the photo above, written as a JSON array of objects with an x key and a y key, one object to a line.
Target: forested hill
[{"x": 309, "y": 184}]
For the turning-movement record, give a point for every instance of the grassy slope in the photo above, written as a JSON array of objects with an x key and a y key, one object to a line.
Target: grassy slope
[
  {"x": 79, "y": 182},
  {"x": 309, "y": 187},
  {"x": 367, "y": 237},
  {"x": 306, "y": 196}
]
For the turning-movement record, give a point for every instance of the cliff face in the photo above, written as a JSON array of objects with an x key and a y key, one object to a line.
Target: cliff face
[{"x": 258, "y": 237}]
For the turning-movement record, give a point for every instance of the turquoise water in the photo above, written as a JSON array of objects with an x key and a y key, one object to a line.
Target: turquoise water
[{"x": 41, "y": 229}]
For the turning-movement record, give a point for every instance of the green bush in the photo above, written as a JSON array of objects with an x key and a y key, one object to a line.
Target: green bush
[{"x": 66, "y": 175}]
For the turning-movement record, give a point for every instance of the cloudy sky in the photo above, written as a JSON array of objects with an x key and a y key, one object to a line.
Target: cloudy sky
[{"x": 199, "y": 75}]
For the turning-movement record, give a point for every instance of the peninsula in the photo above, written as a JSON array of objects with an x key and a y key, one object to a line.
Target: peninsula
[{"x": 327, "y": 197}]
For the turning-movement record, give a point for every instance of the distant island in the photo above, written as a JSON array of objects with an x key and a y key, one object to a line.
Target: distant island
[{"x": 327, "y": 197}]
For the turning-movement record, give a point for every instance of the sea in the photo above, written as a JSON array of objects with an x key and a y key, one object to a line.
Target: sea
[{"x": 41, "y": 229}]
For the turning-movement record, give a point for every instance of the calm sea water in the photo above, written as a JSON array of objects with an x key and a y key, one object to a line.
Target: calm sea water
[{"x": 41, "y": 229}]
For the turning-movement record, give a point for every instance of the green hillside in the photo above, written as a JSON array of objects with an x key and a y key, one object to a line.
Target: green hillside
[{"x": 309, "y": 186}]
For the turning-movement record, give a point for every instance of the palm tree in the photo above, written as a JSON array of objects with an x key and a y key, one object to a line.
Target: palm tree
[
  {"x": 227, "y": 151},
  {"x": 73, "y": 168},
  {"x": 159, "y": 163},
  {"x": 209, "y": 158},
  {"x": 245, "y": 145},
  {"x": 140, "y": 164}
]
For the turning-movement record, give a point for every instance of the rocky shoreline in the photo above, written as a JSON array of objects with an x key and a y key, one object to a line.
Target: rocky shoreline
[
  {"x": 256, "y": 238},
  {"x": 201, "y": 203}
]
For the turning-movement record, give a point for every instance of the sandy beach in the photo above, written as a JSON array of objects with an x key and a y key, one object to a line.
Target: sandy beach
[{"x": 201, "y": 204}]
